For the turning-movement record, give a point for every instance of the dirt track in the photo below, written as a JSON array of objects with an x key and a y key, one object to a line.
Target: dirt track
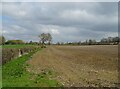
[{"x": 79, "y": 65}]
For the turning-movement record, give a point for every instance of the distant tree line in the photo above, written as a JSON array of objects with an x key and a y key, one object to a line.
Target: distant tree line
[
  {"x": 46, "y": 39},
  {"x": 103, "y": 41},
  {"x": 14, "y": 42}
]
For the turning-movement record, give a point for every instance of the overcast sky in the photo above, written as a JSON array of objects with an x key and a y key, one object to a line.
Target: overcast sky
[{"x": 65, "y": 21}]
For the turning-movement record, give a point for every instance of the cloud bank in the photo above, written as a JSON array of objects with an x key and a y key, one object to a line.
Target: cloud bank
[{"x": 64, "y": 20}]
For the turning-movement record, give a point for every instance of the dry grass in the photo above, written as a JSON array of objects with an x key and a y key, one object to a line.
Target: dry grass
[{"x": 79, "y": 65}]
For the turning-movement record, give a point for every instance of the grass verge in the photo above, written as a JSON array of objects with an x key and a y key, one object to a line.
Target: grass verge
[
  {"x": 17, "y": 46},
  {"x": 15, "y": 75}
]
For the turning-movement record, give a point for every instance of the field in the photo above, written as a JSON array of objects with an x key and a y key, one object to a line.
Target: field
[
  {"x": 58, "y": 66},
  {"x": 79, "y": 66}
]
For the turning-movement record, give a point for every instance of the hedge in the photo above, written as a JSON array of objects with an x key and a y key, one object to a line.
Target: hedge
[{"x": 12, "y": 53}]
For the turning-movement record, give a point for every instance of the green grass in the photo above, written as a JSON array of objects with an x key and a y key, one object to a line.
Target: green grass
[
  {"x": 0, "y": 77},
  {"x": 15, "y": 75},
  {"x": 17, "y": 46}
]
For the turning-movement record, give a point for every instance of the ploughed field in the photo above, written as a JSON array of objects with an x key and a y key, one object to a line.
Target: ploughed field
[{"x": 79, "y": 66}]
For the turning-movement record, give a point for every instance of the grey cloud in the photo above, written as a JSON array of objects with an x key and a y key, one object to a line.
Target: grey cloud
[{"x": 65, "y": 21}]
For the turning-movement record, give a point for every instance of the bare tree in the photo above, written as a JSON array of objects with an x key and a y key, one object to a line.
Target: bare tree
[
  {"x": 49, "y": 38},
  {"x": 45, "y": 37}
]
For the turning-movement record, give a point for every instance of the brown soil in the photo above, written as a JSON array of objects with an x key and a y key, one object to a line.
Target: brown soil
[{"x": 79, "y": 66}]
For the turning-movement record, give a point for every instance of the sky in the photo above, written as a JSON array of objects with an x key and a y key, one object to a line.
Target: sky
[{"x": 66, "y": 21}]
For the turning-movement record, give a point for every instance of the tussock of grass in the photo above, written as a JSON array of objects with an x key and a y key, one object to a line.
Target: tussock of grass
[{"x": 15, "y": 75}]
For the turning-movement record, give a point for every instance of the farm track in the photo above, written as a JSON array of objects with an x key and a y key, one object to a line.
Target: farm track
[{"x": 79, "y": 66}]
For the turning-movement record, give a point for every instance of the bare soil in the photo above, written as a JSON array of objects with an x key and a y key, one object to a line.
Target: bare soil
[{"x": 79, "y": 66}]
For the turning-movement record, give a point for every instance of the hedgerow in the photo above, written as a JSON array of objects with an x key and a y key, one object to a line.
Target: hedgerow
[{"x": 12, "y": 53}]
